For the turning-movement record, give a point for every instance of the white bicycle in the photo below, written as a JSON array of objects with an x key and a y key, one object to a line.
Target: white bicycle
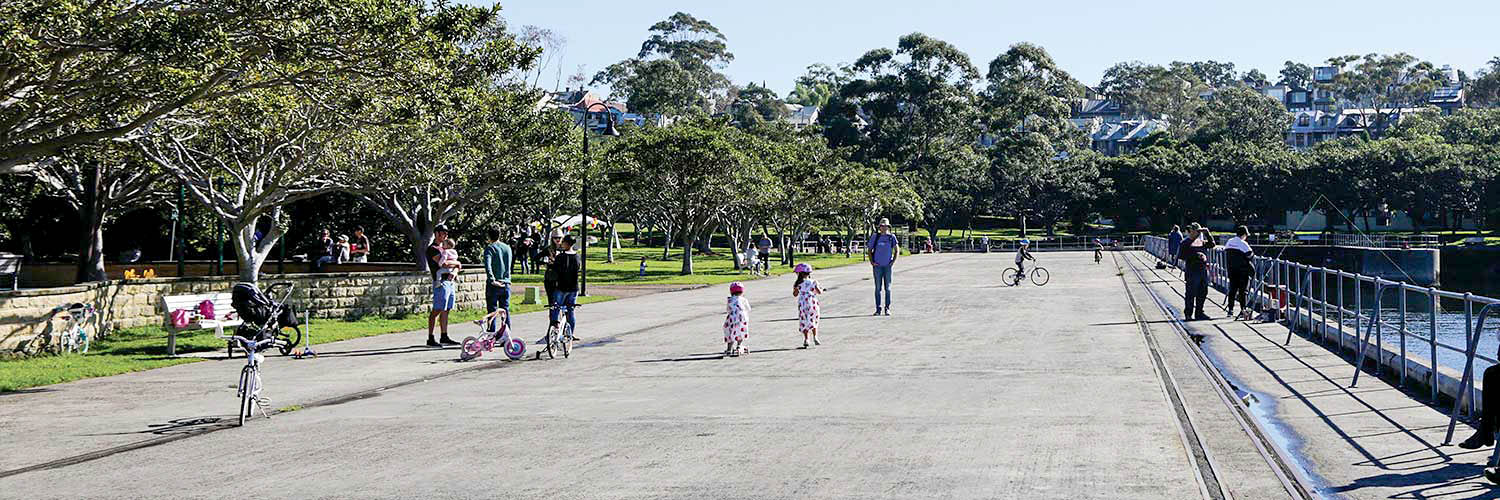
[{"x": 249, "y": 388}]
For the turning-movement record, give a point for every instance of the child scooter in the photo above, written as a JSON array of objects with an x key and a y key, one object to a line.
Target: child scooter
[{"x": 495, "y": 332}]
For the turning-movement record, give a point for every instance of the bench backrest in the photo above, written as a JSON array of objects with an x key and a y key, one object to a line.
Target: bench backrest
[
  {"x": 222, "y": 302},
  {"x": 1474, "y": 239},
  {"x": 10, "y": 263}
]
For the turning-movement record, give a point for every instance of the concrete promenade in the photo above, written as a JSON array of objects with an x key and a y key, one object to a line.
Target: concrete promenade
[
  {"x": 1370, "y": 441},
  {"x": 970, "y": 390}
]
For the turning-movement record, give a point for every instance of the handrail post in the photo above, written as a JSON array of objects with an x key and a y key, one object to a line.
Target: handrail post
[
  {"x": 1323, "y": 312},
  {"x": 1473, "y": 339},
  {"x": 1402, "y": 288},
  {"x": 1466, "y": 384},
  {"x": 1432, "y": 340},
  {"x": 1341, "y": 313},
  {"x": 1359, "y": 340}
]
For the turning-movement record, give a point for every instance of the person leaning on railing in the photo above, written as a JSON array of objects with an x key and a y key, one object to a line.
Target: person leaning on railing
[{"x": 1489, "y": 413}]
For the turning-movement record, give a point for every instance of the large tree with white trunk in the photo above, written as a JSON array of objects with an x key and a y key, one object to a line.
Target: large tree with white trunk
[
  {"x": 246, "y": 158},
  {"x": 78, "y": 72}
]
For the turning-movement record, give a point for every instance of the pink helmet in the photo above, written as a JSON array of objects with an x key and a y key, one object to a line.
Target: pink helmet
[
  {"x": 802, "y": 268},
  {"x": 736, "y": 287}
]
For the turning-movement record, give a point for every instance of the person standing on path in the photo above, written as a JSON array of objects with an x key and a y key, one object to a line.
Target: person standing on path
[
  {"x": 883, "y": 249},
  {"x": 1194, "y": 255},
  {"x": 736, "y": 321},
  {"x": 809, "y": 311},
  {"x": 763, "y": 249},
  {"x": 564, "y": 267},
  {"x": 1174, "y": 243},
  {"x": 549, "y": 253},
  {"x": 444, "y": 292},
  {"x": 497, "y": 267},
  {"x": 1239, "y": 257}
]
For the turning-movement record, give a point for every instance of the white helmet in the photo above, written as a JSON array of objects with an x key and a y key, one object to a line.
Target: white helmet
[{"x": 557, "y": 233}]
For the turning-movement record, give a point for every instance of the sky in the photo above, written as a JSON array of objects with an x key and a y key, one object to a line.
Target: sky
[{"x": 773, "y": 41}]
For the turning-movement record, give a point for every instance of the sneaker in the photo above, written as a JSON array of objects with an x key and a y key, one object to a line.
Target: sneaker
[
  {"x": 804, "y": 344},
  {"x": 888, "y": 310},
  {"x": 447, "y": 341},
  {"x": 1201, "y": 316},
  {"x": 433, "y": 343},
  {"x": 1477, "y": 441},
  {"x": 876, "y": 313},
  {"x": 815, "y": 341}
]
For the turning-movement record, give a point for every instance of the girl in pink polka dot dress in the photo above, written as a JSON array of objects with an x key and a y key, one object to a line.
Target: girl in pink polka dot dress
[
  {"x": 808, "y": 311},
  {"x": 736, "y": 321}
]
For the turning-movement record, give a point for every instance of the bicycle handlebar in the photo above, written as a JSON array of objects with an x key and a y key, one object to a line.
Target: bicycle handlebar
[{"x": 256, "y": 345}]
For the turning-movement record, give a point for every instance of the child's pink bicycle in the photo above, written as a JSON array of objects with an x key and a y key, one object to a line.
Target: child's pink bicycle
[{"x": 495, "y": 332}]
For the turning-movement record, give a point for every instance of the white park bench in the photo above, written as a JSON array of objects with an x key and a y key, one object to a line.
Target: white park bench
[
  {"x": 222, "y": 306},
  {"x": 10, "y": 266}
]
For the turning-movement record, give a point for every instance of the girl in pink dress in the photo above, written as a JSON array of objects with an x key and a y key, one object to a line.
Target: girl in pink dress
[
  {"x": 808, "y": 311},
  {"x": 736, "y": 321}
]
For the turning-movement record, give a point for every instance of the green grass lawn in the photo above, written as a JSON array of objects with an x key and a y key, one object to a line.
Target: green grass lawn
[
  {"x": 145, "y": 348},
  {"x": 707, "y": 270}
]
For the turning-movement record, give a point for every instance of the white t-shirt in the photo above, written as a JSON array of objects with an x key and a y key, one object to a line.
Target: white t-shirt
[{"x": 1238, "y": 243}]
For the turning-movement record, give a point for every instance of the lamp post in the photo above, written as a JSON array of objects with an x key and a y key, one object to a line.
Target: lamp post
[{"x": 609, "y": 129}]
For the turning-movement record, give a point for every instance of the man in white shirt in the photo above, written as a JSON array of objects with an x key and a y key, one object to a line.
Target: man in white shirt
[{"x": 1239, "y": 258}]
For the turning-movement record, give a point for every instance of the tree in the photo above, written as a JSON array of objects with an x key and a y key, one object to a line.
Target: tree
[
  {"x": 1171, "y": 94},
  {"x": 483, "y": 142},
  {"x": 1384, "y": 84},
  {"x": 1242, "y": 115},
  {"x": 691, "y": 169},
  {"x": 676, "y": 71},
  {"x": 1026, "y": 107},
  {"x": 1216, "y": 74},
  {"x": 101, "y": 182},
  {"x": 1296, "y": 75},
  {"x": 915, "y": 107},
  {"x": 82, "y": 72},
  {"x": 755, "y": 105},
  {"x": 1255, "y": 79},
  {"x": 245, "y": 158},
  {"x": 1484, "y": 91},
  {"x": 819, "y": 84}
]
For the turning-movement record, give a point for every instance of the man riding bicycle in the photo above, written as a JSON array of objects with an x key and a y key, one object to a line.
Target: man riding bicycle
[{"x": 1023, "y": 253}]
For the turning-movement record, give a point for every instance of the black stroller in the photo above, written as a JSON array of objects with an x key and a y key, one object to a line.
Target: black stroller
[{"x": 263, "y": 318}]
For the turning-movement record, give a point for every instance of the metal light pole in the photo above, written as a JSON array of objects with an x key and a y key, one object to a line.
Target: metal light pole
[{"x": 609, "y": 129}]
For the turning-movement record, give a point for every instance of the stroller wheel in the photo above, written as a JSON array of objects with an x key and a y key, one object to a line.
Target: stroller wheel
[{"x": 289, "y": 340}]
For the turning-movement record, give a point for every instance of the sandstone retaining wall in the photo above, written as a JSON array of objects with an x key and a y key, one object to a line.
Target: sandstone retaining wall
[{"x": 132, "y": 303}]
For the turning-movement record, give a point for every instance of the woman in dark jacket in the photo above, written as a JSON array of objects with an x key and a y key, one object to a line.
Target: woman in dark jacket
[{"x": 1194, "y": 255}]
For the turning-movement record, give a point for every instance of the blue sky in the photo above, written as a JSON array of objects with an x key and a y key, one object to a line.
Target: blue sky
[{"x": 774, "y": 40}]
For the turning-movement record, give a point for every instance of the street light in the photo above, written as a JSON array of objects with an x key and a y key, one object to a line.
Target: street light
[{"x": 609, "y": 130}]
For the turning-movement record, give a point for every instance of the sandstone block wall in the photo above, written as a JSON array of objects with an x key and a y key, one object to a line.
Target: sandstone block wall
[{"x": 125, "y": 304}]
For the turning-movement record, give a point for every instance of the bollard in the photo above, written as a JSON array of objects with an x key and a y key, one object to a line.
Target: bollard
[{"x": 532, "y": 296}]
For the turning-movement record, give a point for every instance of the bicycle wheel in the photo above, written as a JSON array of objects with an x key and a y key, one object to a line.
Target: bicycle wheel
[
  {"x": 567, "y": 344},
  {"x": 471, "y": 349},
  {"x": 514, "y": 349},
  {"x": 1040, "y": 276},
  {"x": 289, "y": 341},
  {"x": 247, "y": 393},
  {"x": 1009, "y": 277}
]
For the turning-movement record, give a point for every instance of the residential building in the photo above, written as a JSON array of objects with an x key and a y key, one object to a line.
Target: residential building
[
  {"x": 1311, "y": 127},
  {"x": 801, "y": 116},
  {"x": 583, "y": 105},
  {"x": 1117, "y": 138}
]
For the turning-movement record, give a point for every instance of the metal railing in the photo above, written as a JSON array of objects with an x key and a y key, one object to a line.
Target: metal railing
[
  {"x": 1049, "y": 243},
  {"x": 1300, "y": 294}
]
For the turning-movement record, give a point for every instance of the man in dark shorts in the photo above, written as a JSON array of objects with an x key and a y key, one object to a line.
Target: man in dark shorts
[{"x": 763, "y": 250}]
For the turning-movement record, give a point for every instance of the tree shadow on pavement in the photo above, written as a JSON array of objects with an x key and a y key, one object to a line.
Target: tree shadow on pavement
[{"x": 711, "y": 356}]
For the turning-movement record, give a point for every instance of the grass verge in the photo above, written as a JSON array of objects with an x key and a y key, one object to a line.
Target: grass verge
[{"x": 145, "y": 348}]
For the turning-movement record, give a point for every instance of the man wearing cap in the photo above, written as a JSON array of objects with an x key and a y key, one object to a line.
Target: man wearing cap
[{"x": 883, "y": 248}]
